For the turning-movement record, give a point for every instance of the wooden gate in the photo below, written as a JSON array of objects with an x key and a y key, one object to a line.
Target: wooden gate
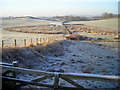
[{"x": 42, "y": 75}]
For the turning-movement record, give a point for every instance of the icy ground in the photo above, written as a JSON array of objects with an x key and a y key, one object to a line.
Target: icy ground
[{"x": 84, "y": 57}]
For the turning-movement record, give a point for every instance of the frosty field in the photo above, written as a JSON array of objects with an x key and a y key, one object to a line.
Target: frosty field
[
  {"x": 9, "y": 36},
  {"x": 68, "y": 57},
  {"x": 106, "y": 23},
  {"x": 64, "y": 56},
  {"x": 23, "y": 21}
]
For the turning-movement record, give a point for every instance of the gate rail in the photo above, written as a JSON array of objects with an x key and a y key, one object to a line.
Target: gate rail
[{"x": 47, "y": 75}]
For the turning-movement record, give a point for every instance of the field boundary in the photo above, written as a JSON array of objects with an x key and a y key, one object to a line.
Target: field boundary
[
  {"x": 30, "y": 42},
  {"x": 38, "y": 41}
]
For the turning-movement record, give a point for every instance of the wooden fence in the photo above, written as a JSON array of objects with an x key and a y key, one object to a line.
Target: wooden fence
[
  {"x": 37, "y": 41},
  {"x": 25, "y": 42},
  {"x": 47, "y": 75}
]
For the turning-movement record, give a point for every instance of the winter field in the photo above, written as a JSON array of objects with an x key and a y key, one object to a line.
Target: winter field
[
  {"x": 68, "y": 57},
  {"x": 65, "y": 56},
  {"x": 23, "y": 22},
  {"x": 111, "y": 23},
  {"x": 9, "y": 36}
]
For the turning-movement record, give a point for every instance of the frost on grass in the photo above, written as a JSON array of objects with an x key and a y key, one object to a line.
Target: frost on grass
[
  {"x": 31, "y": 57},
  {"x": 66, "y": 57}
]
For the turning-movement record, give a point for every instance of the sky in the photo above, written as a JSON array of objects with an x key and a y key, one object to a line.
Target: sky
[{"x": 57, "y": 7}]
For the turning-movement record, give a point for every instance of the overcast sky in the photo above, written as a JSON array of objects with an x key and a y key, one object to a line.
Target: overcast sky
[{"x": 57, "y": 7}]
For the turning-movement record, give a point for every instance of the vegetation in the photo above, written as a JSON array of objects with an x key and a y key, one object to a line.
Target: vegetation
[
  {"x": 111, "y": 23},
  {"x": 54, "y": 56},
  {"x": 29, "y": 57},
  {"x": 107, "y": 15},
  {"x": 71, "y": 18}
]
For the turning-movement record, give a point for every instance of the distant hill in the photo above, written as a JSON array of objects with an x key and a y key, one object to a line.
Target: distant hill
[{"x": 27, "y": 20}]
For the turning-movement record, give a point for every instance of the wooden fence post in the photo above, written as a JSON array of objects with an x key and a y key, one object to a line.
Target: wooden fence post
[
  {"x": 37, "y": 41},
  {"x": 40, "y": 40},
  {"x": 31, "y": 40},
  {"x": 43, "y": 40},
  {"x": 2, "y": 43},
  {"x": 56, "y": 80},
  {"x": 14, "y": 64},
  {"x": 15, "y": 42},
  {"x": 46, "y": 40},
  {"x": 25, "y": 42}
]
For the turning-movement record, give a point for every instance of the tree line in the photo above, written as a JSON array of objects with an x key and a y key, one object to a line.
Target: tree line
[{"x": 83, "y": 18}]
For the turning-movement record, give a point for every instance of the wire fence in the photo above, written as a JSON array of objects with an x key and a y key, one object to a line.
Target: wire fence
[{"x": 28, "y": 42}]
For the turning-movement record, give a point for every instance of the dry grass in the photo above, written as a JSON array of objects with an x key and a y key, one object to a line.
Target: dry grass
[
  {"x": 111, "y": 23},
  {"x": 46, "y": 29},
  {"x": 31, "y": 56},
  {"x": 41, "y": 29}
]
